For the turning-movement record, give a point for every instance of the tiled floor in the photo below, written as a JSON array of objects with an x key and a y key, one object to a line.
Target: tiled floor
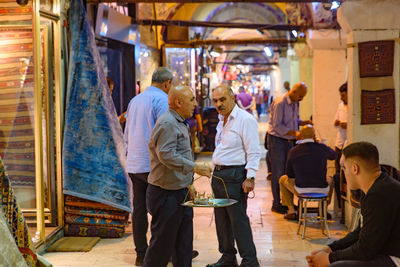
[{"x": 275, "y": 238}]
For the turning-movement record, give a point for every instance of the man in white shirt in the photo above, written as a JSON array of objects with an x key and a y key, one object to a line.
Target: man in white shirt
[
  {"x": 340, "y": 124},
  {"x": 236, "y": 158}
]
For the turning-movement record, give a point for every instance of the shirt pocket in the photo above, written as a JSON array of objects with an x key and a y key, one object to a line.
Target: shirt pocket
[
  {"x": 183, "y": 143},
  {"x": 231, "y": 138}
]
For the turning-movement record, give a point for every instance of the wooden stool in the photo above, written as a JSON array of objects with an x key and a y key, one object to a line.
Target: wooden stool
[{"x": 322, "y": 200}]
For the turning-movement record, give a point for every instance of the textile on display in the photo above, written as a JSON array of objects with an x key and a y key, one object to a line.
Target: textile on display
[
  {"x": 378, "y": 107},
  {"x": 376, "y": 58},
  {"x": 94, "y": 149},
  {"x": 89, "y": 218},
  {"x": 12, "y": 215}
]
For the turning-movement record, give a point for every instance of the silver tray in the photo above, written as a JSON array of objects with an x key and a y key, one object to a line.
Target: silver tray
[{"x": 212, "y": 203}]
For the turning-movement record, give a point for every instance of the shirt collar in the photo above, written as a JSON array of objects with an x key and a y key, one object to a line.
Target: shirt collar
[
  {"x": 307, "y": 140},
  {"x": 288, "y": 98},
  {"x": 234, "y": 113},
  {"x": 176, "y": 115},
  {"x": 153, "y": 88}
]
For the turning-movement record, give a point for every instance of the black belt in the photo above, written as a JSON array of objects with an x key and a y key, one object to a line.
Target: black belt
[
  {"x": 222, "y": 167},
  {"x": 284, "y": 139}
]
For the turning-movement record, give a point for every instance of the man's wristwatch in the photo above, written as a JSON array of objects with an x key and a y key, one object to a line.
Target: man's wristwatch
[{"x": 251, "y": 179}]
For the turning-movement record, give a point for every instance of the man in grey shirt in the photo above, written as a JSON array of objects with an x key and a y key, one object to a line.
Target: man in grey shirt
[{"x": 171, "y": 173}]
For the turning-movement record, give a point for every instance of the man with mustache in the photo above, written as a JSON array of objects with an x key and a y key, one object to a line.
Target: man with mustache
[{"x": 236, "y": 158}]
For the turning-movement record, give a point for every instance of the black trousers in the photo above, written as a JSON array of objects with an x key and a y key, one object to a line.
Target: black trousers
[
  {"x": 336, "y": 177},
  {"x": 140, "y": 223},
  {"x": 232, "y": 223},
  {"x": 381, "y": 261},
  {"x": 171, "y": 228}
]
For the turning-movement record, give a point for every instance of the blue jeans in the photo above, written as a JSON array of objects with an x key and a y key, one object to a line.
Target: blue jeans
[{"x": 278, "y": 150}]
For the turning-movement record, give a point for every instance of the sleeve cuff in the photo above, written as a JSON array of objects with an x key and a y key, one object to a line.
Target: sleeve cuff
[
  {"x": 251, "y": 173},
  {"x": 188, "y": 167}
]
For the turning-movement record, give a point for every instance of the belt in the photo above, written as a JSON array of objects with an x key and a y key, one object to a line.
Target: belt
[
  {"x": 284, "y": 139},
  {"x": 222, "y": 167}
]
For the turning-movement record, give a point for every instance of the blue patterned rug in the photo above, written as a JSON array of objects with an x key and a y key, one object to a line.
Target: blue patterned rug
[{"x": 93, "y": 149}]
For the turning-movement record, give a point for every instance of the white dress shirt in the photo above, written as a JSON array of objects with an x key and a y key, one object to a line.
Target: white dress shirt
[
  {"x": 237, "y": 143},
  {"x": 341, "y": 115}
]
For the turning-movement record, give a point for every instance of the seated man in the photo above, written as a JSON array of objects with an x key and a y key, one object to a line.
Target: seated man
[
  {"x": 305, "y": 170},
  {"x": 377, "y": 241}
]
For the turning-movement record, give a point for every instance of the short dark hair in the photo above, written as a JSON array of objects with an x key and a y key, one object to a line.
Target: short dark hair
[
  {"x": 363, "y": 150},
  {"x": 343, "y": 88}
]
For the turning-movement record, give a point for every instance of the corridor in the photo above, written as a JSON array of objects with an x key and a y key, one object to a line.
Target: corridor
[{"x": 275, "y": 238}]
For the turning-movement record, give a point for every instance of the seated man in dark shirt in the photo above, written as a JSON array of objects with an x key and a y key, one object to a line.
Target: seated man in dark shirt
[
  {"x": 377, "y": 241},
  {"x": 305, "y": 170}
]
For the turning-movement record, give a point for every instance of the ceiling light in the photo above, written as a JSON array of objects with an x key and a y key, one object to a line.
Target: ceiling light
[
  {"x": 268, "y": 51},
  {"x": 215, "y": 54},
  {"x": 335, "y": 5}
]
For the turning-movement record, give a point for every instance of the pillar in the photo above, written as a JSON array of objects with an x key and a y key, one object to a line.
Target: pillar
[
  {"x": 372, "y": 20},
  {"x": 328, "y": 73}
]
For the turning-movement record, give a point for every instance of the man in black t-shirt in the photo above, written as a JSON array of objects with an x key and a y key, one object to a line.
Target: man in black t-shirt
[
  {"x": 305, "y": 170},
  {"x": 377, "y": 241}
]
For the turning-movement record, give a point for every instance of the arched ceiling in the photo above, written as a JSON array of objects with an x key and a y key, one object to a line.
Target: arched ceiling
[{"x": 234, "y": 12}]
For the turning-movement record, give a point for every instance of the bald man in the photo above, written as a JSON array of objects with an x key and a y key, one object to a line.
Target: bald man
[
  {"x": 171, "y": 174},
  {"x": 305, "y": 170},
  {"x": 282, "y": 131}
]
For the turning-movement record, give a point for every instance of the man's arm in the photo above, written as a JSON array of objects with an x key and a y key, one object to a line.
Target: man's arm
[
  {"x": 378, "y": 219},
  {"x": 330, "y": 153},
  {"x": 252, "y": 149},
  {"x": 165, "y": 140},
  {"x": 251, "y": 146},
  {"x": 277, "y": 120}
]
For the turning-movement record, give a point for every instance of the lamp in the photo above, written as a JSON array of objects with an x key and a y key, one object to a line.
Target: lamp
[
  {"x": 216, "y": 52},
  {"x": 22, "y": 2}
]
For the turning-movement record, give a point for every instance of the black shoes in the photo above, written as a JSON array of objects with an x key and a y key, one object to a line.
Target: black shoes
[
  {"x": 279, "y": 209},
  {"x": 222, "y": 263},
  {"x": 195, "y": 253},
  {"x": 139, "y": 260}
]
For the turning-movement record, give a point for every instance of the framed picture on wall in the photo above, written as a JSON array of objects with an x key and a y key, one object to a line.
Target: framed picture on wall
[
  {"x": 376, "y": 58},
  {"x": 378, "y": 107}
]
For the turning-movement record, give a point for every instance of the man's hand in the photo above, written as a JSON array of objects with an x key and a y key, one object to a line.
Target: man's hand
[
  {"x": 295, "y": 134},
  {"x": 319, "y": 258},
  {"x": 202, "y": 169},
  {"x": 192, "y": 191},
  {"x": 343, "y": 125},
  {"x": 302, "y": 123},
  {"x": 336, "y": 123},
  {"x": 248, "y": 185}
]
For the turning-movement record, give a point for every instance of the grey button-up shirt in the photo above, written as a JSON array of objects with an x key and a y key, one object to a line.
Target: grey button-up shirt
[{"x": 171, "y": 157}]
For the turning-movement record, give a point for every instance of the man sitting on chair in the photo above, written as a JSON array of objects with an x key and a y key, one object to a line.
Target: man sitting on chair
[{"x": 305, "y": 170}]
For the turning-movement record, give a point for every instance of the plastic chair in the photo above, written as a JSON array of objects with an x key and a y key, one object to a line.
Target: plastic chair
[{"x": 322, "y": 200}]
